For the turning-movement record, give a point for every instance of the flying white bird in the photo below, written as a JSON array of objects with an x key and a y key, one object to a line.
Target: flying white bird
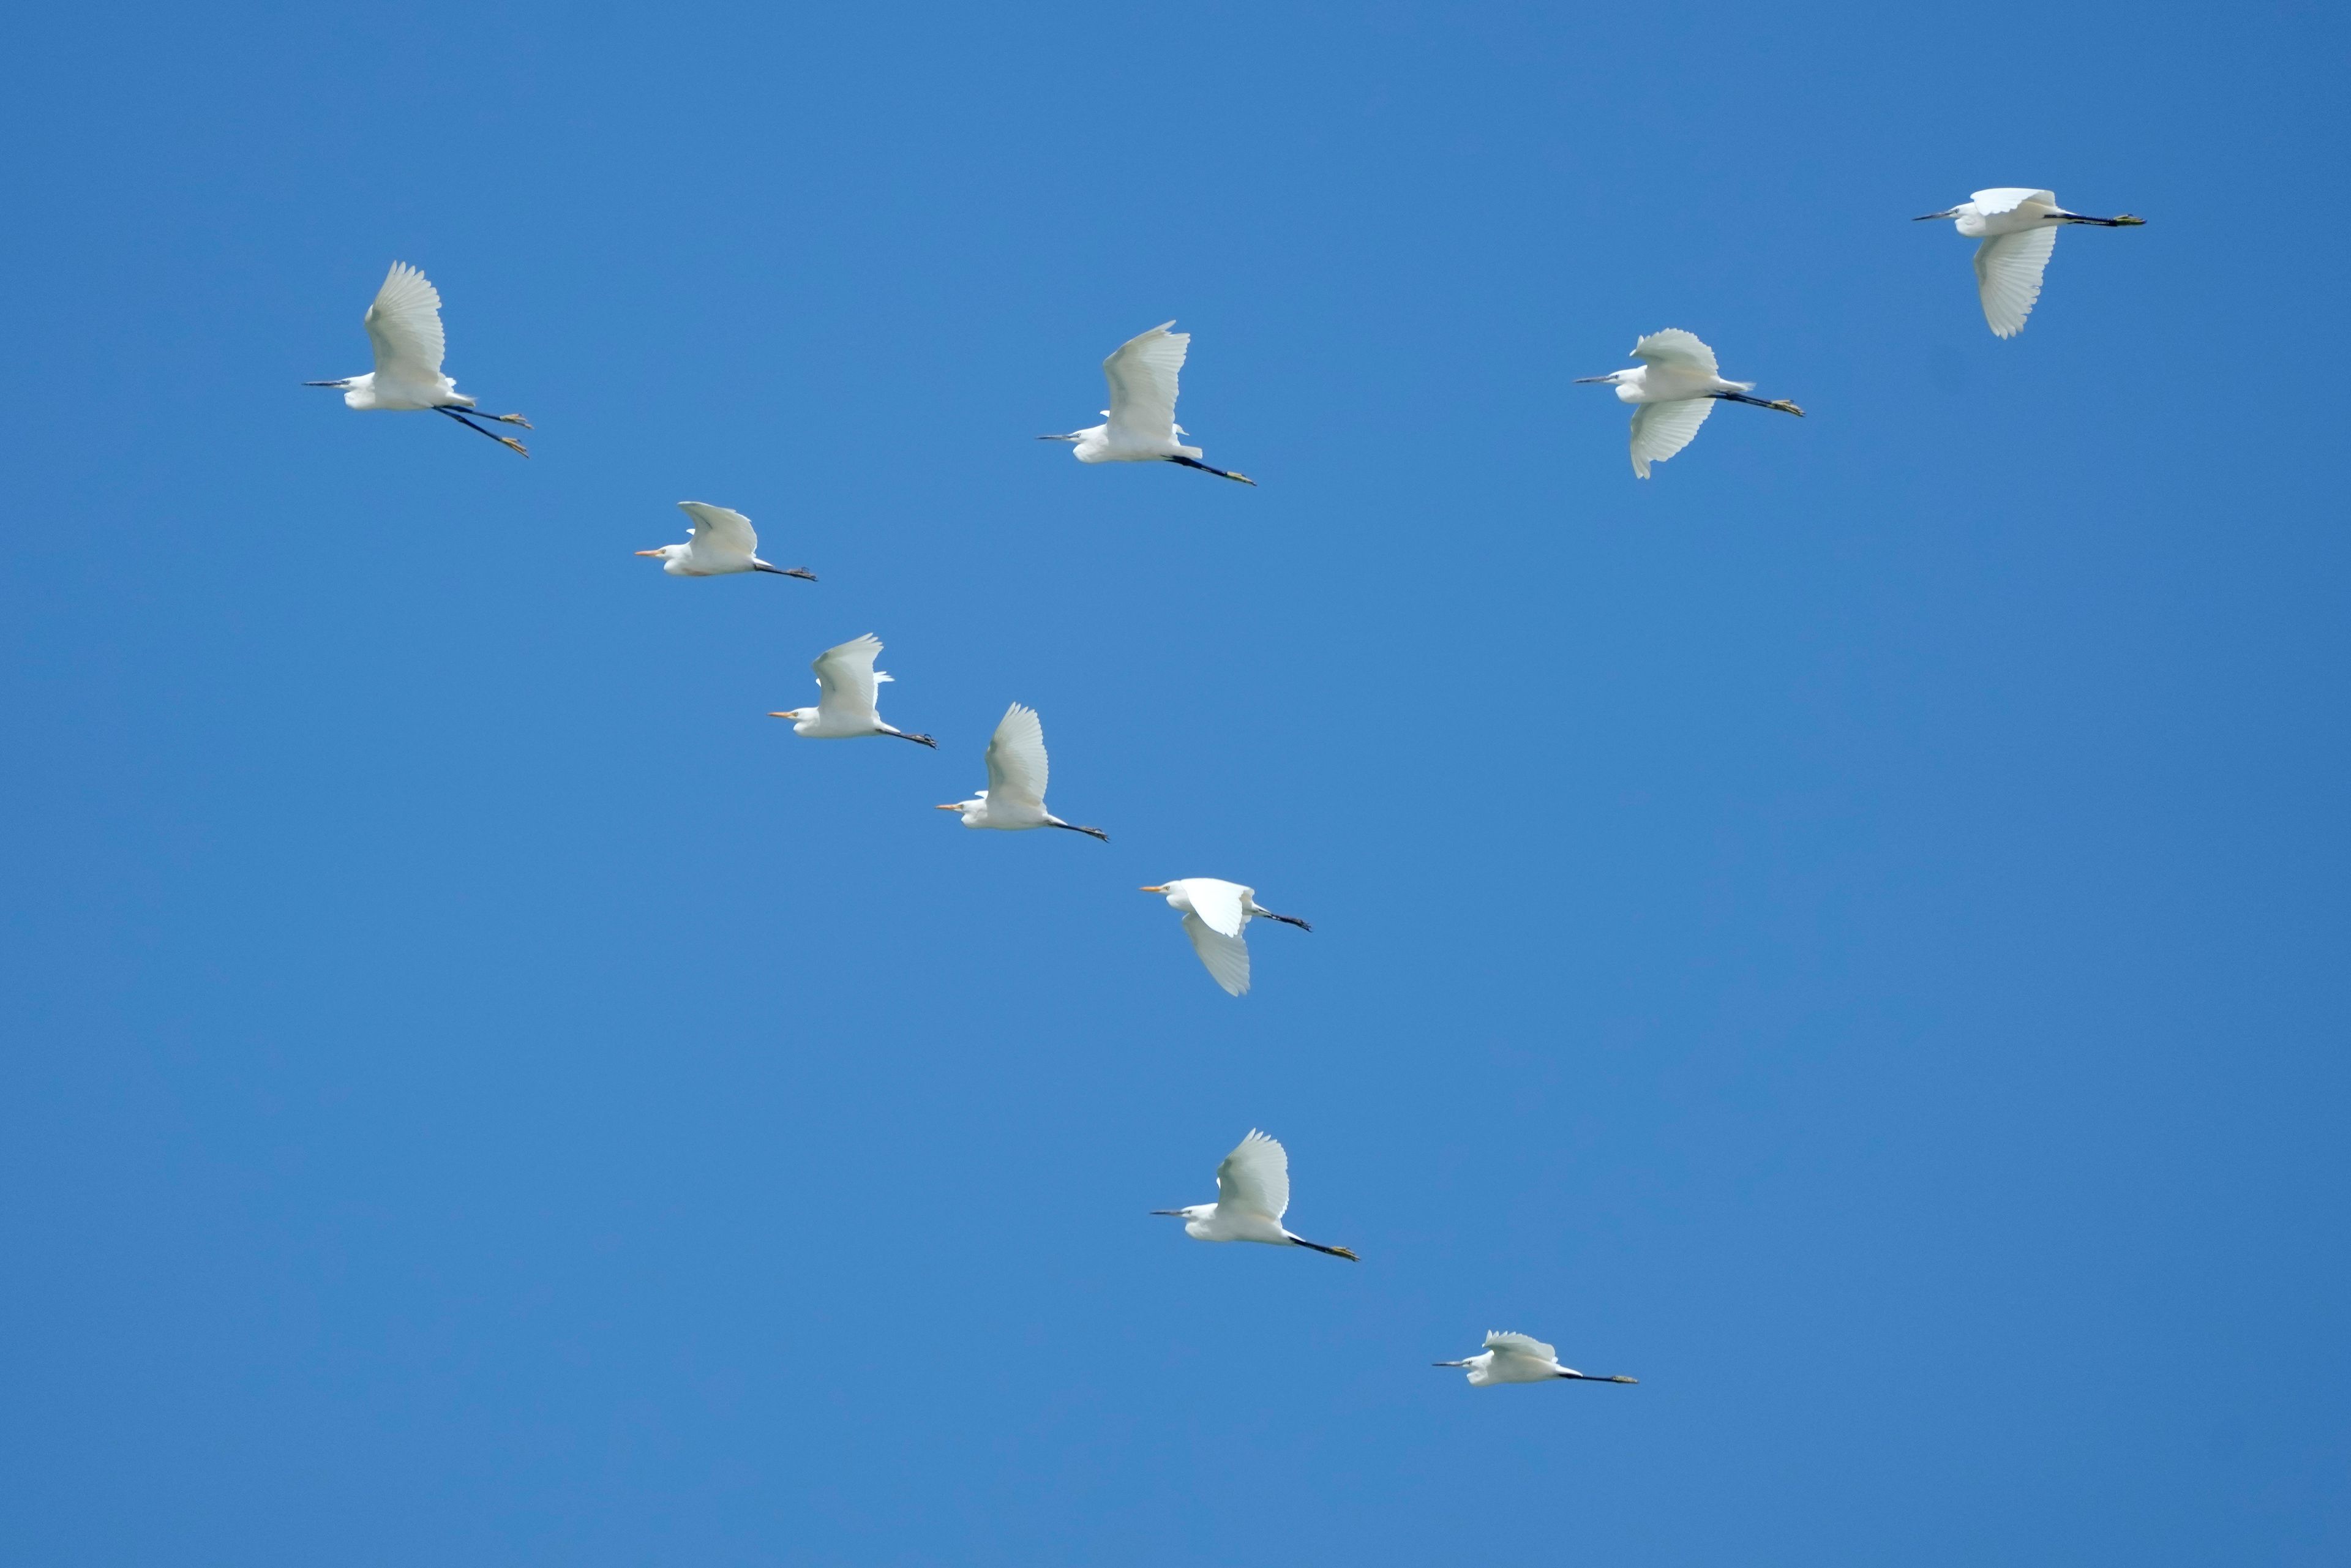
[
  {"x": 1214, "y": 914},
  {"x": 405, "y": 325},
  {"x": 1676, "y": 387},
  {"x": 1515, "y": 1358},
  {"x": 1015, "y": 795},
  {"x": 845, "y": 683},
  {"x": 2018, "y": 229},
  {"x": 1142, "y": 410},
  {"x": 723, "y": 541},
  {"x": 1252, "y": 1195}
]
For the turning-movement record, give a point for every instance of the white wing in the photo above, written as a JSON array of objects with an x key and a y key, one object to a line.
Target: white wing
[
  {"x": 845, "y": 679},
  {"x": 720, "y": 531},
  {"x": 1226, "y": 956},
  {"x": 1662, "y": 429},
  {"x": 1521, "y": 1344},
  {"x": 405, "y": 325},
  {"x": 1255, "y": 1177},
  {"x": 1677, "y": 350},
  {"x": 1141, "y": 377},
  {"x": 2008, "y": 275},
  {"x": 2008, "y": 198},
  {"x": 1016, "y": 759},
  {"x": 1223, "y": 904}
]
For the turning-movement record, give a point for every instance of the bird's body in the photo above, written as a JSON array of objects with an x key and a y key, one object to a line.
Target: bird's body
[
  {"x": 1016, "y": 771},
  {"x": 1252, "y": 1195},
  {"x": 2018, "y": 228},
  {"x": 1141, "y": 419},
  {"x": 1215, "y": 911},
  {"x": 404, "y": 325},
  {"x": 846, "y": 683},
  {"x": 724, "y": 541},
  {"x": 1517, "y": 1358},
  {"x": 1675, "y": 388}
]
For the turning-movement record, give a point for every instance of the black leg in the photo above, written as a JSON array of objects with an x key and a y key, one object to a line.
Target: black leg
[
  {"x": 1289, "y": 920},
  {"x": 494, "y": 436},
  {"x": 1220, "y": 473},
  {"x": 1781, "y": 404},
  {"x": 1095, "y": 832},
  {"x": 917, "y": 740}
]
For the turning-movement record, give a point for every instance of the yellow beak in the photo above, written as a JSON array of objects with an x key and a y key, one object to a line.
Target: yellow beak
[
  {"x": 649, "y": 552},
  {"x": 956, "y": 807},
  {"x": 1159, "y": 889}
]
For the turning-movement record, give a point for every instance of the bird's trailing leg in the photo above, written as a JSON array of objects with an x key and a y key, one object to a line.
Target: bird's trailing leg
[
  {"x": 1782, "y": 404},
  {"x": 1334, "y": 1252},
  {"x": 480, "y": 430},
  {"x": 917, "y": 740},
  {"x": 1584, "y": 1376},
  {"x": 1096, "y": 833},
  {"x": 1220, "y": 473},
  {"x": 2120, "y": 220},
  {"x": 763, "y": 566},
  {"x": 1285, "y": 920}
]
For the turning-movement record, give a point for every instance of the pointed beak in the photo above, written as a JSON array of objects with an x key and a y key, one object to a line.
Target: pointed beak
[
  {"x": 1588, "y": 380},
  {"x": 653, "y": 552},
  {"x": 779, "y": 715},
  {"x": 1057, "y": 438},
  {"x": 1449, "y": 1363},
  {"x": 1171, "y": 1213},
  {"x": 1159, "y": 889},
  {"x": 1930, "y": 217},
  {"x": 954, "y": 805},
  {"x": 322, "y": 384}
]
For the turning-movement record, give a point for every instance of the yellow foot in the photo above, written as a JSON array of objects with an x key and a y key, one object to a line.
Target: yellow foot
[
  {"x": 1785, "y": 406},
  {"x": 510, "y": 441}
]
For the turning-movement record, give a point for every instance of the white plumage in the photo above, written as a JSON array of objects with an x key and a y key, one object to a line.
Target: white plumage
[
  {"x": 1141, "y": 419},
  {"x": 2018, "y": 227},
  {"x": 1676, "y": 387},
  {"x": 1252, "y": 1195},
  {"x": 1215, "y": 911},
  {"x": 1521, "y": 1358},
  {"x": 846, "y": 683},
  {"x": 404, "y": 326},
  {"x": 1016, "y": 771},
  {"x": 723, "y": 541}
]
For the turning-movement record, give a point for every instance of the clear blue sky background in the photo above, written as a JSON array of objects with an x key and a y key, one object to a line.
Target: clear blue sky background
[{"x": 1849, "y": 931}]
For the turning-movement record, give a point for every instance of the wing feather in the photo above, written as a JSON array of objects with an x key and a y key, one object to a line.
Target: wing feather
[
  {"x": 1521, "y": 1344},
  {"x": 2008, "y": 198},
  {"x": 1662, "y": 429},
  {"x": 2008, "y": 276},
  {"x": 720, "y": 531},
  {"x": 845, "y": 678},
  {"x": 1223, "y": 904},
  {"x": 1255, "y": 1177},
  {"x": 1142, "y": 375},
  {"x": 1016, "y": 766},
  {"x": 1226, "y": 956},
  {"x": 405, "y": 325},
  {"x": 1677, "y": 350}
]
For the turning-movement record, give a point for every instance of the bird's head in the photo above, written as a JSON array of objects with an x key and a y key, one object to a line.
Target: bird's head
[
  {"x": 799, "y": 716},
  {"x": 1188, "y": 1213},
  {"x": 1166, "y": 890},
  {"x": 1612, "y": 378},
  {"x": 668, "y": 555},
  {"x": 1930, "y": 217},
  {"x": 968, "y": 808}
]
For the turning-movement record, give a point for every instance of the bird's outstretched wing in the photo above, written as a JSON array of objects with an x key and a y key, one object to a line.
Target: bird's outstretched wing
[
  {"x": 1142, "y": 376},
  {"x": 845, "y": 678},
  {"x": 1521, "y": 1344},
  {"x": 405, "y": 325},
  {"x": 720, "y": 530},
  {"x": 1662, "y": 429},
  {"x": 1016, "y": 759},
  {"x": 2008, "y": 276},
  {"x": 1226, "y": 956},
  {"x": 2008, "y": 198},
  {"x": 1255, "y": 1177},
  {"x": 1677, "y": 350}
]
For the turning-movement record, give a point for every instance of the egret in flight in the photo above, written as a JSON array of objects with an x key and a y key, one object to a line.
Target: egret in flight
[
  {"x": 1214, "y": 913},
  {"x": 1252, "y": 1195},
  {"x": 1015, "y": 795},
  {"x": 1142, "y": 410},
  {"x": 845, "y": 683},
  {"x": 405, "y": 325},
  {"x": 2018, "y": 229},
  {"x": 1676, "y": 387},
  {"x": 1515, "y": 1358},
  {"x": 723, "y": 541}
]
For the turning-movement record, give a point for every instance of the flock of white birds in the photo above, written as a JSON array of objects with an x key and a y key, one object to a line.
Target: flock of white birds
[{"x": 1676, "y": 385}]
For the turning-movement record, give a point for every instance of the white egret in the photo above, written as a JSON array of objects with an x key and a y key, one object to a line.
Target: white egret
[
  {"x": 1214, "y": 914},
  {"x": 1252, "y": 1195},
  {"x": 2018, "y": 229},
  {"x": 1676, "y": 387},
  {"x": 404, "y": 326},
  {"x": 1515, "y": 1358},
  {"x": 1142, "y": 411},
  {"x": 1015, "y": 795},
  {"x": 724, "y": 541},
  {"x": 846, "y": 681}
]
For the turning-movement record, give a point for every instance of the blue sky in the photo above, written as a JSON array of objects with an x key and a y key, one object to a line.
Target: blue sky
[{"x": 1848, "y": 931}]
